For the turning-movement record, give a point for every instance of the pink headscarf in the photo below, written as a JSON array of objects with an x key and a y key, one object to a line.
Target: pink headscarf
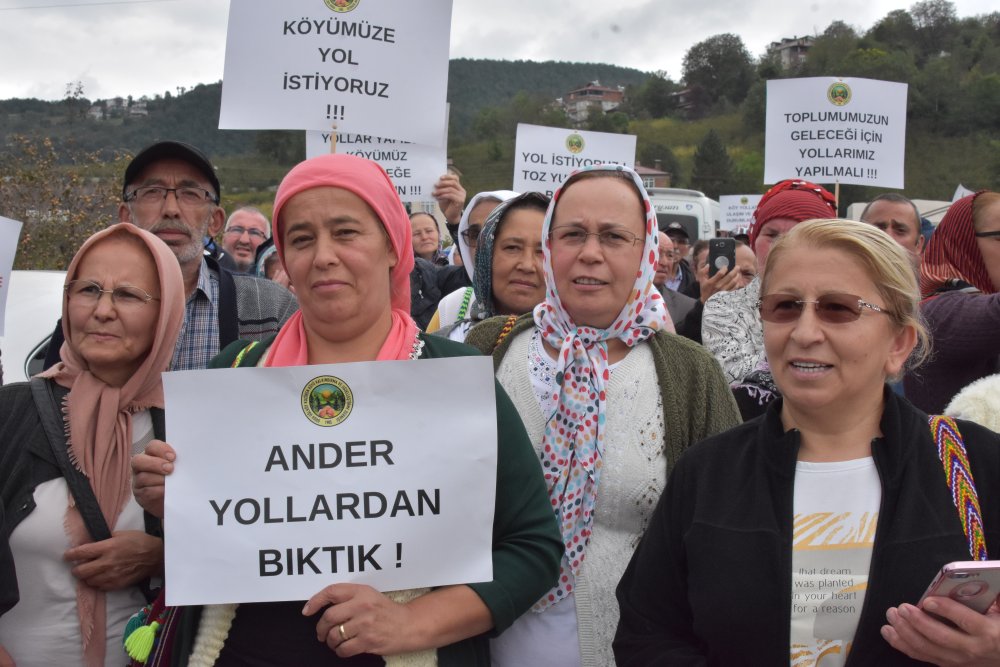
[
  {"x": 100, "y": 416},
  {"x": 367, "y": 180}
]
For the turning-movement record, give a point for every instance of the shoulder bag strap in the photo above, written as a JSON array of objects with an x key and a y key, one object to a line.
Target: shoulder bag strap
[
  {"x": 958, "y": 474},
  {"x": 50, "y": 414},
  {"x": 229, "y": 328}
]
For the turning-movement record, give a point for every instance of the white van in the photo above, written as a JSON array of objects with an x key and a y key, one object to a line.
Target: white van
[{"x": 699, "y": 214}]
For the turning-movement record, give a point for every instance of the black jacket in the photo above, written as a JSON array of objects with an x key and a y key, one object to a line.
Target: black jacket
[{"x": 710, "y": 584}]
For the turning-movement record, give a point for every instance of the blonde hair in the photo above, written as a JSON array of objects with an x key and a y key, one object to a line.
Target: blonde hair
[{"x": 887, "y": 264}]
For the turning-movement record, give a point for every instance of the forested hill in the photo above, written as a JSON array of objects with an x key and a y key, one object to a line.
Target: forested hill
[{"x": 194, "y": 115}]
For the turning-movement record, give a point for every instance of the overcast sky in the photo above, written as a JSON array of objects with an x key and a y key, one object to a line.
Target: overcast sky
[{"x": 145, "y": 47}]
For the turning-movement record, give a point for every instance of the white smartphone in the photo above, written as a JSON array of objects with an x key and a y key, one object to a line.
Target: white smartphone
[{"x": 973, "y": 583}]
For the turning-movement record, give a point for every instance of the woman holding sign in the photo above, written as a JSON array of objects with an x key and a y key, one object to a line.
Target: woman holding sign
[
  {"x": 344, "y": 239},
  {"x": 80, "y": 542},
  {"x": 808, "y": 535},
  {"x": 609, "y": 398}
]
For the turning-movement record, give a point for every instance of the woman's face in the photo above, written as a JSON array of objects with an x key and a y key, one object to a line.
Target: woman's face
[
  {"x": 518, "y": 281},
  {"x": 831, "y": 368},
  {"x": 111, "y": 336},
  {"x": 769, "y": 234},
  {"x": 426, "y": 239},
  {"x": 338, "y": 258},
  {"x": 594, "y": 281},
  {"x": 989, "y": 246}
]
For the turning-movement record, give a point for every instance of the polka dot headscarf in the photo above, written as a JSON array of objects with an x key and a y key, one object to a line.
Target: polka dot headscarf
[{"x": 573, "y": 442}]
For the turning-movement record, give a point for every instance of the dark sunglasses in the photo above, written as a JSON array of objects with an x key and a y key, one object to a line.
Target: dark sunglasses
[{"x": 830, "y": 308}]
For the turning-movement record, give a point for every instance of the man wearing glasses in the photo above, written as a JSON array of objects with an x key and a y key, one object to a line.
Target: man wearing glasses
[
  {"x": 246, "y": 229},
  {"x": 170, "y": 189}
]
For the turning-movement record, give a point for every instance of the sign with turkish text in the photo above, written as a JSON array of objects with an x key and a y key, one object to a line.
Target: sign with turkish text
[
  {"x": 544, "y": 157},
  {"x": 737, "y": 211},
  {"x": 314, "y": 475},
  {"x": 413, "y": 168},
  {"x": 835, "y": 130},
  {"x": 376, "y": 67}
]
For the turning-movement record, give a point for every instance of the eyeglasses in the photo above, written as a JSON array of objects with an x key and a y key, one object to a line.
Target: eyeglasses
[
  {"x": 240, "y": 231},
  {"x": 830, "y": 308},
  {"x": 984, "y": 235},
  {"x": 155, "y": 195},
  {"x": 87, "y": 293},
  {"x": 573, "y": 237},
  {"x": 471, "y": 234}
]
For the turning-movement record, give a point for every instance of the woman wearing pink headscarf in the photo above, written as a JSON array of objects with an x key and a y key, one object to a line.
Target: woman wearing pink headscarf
[
  {"x": 610, "y": 399},
  {"x": 960, "y": 283},
  {"x": 344, "y": 239},
  {"x": 79, "y": 540}
]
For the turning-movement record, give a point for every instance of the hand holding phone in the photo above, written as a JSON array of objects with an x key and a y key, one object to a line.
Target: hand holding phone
[
  {"x": 721, "y": 255},
  {"x": 974, "y": 584}
]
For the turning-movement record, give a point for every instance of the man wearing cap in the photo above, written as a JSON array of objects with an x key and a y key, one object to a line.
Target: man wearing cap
[
  {"x": 683, "y": 280},
  {"x": 170, "y": 189}
]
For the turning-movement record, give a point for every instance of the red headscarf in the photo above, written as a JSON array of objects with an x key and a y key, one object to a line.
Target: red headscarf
[
  {"x": 953, "y": 253},
  {"x": 793, "y": 199},
  {"x": 99, "y": 416},
  {"x": 367, "y": 180}
]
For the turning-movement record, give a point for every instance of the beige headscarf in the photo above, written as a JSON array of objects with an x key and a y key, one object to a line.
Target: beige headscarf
[{"x": 99, "y": 417}]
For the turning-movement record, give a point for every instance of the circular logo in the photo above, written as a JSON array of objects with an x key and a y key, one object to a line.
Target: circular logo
[
  {"x": 327, "y": 400},
  {"x": 342, "y": 6},
  {"x": 574, "y": 143},
  {"x": 839, "y": 94},
  {"x": 744, "y": 200}
]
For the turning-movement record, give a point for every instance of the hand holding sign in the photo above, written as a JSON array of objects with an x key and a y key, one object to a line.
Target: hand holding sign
[{"x": 149, "y": 474}]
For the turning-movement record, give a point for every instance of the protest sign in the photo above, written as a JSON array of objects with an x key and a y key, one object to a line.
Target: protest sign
[
  {"x": 313, "y": 475},
  {"x": 545, "y": 156},
  {"x": 737, "y": 211},
  {"x": 961, "y": 191},
  {"x": 370, "y": 67},
  {"x": 10, "y": 231},
  {"x": 413, "y": 168},
  {"x": 830, "y": 130}
]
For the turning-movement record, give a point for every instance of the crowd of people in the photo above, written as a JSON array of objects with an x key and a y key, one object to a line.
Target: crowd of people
[{"x": 693, "y": 467}]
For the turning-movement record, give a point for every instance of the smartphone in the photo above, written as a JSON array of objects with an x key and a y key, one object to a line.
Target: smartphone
[
  {"x": 721, "y": 255},
  {"x": 974, "y": 583}
]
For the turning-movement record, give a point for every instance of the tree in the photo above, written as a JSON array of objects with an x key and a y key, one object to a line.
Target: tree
[
  {"x": 721, "y": 67},
  {"x": 649, "y": 152},
  {"x": 713, "y": 168},
  {"x": 655, "y": 97},
  {"x": 935, "y": 21},
  {"x": 60, "y": 205},
  {"x": 829, "y": 50}
]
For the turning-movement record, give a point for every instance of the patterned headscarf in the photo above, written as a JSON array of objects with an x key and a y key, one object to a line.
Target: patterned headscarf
[
  {"x": 573, "y": 442},
  {"x": 793, "y": 199},
  {"x": 482, "y": 283},
  {"x": 953, "y": 253}
]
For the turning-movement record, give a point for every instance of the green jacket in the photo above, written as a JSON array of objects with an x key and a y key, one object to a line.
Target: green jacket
[
  {"x": 697, "y": 402},
  {"x": 527, "y": 546}
]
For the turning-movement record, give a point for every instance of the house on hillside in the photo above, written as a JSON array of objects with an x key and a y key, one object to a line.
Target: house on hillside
[
  {"x": 578, "y": 103},
  {"x": 653, "y": 177},
  {"x": 790, "y": 52}
]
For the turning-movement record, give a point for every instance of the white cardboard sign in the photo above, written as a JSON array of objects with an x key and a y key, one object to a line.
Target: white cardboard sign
[
  {"x": 833, "y": 130},
  {"x": 737, "y": 211},
  {"x": 10, "y": 231},
  {"x": 413, "y": 168},
  {"x": 308, "y": 476},
  {"x": 544, "y": 157},
  {"x": 375, "y": 67}
]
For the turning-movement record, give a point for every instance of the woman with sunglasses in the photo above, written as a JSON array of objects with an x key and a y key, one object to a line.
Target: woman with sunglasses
[
  {"x": 458, "y": 304},
  {"x": 960, "y": 282},
  {"x": 609, "y": 398},
  {"x": 808, "y": 535}
]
